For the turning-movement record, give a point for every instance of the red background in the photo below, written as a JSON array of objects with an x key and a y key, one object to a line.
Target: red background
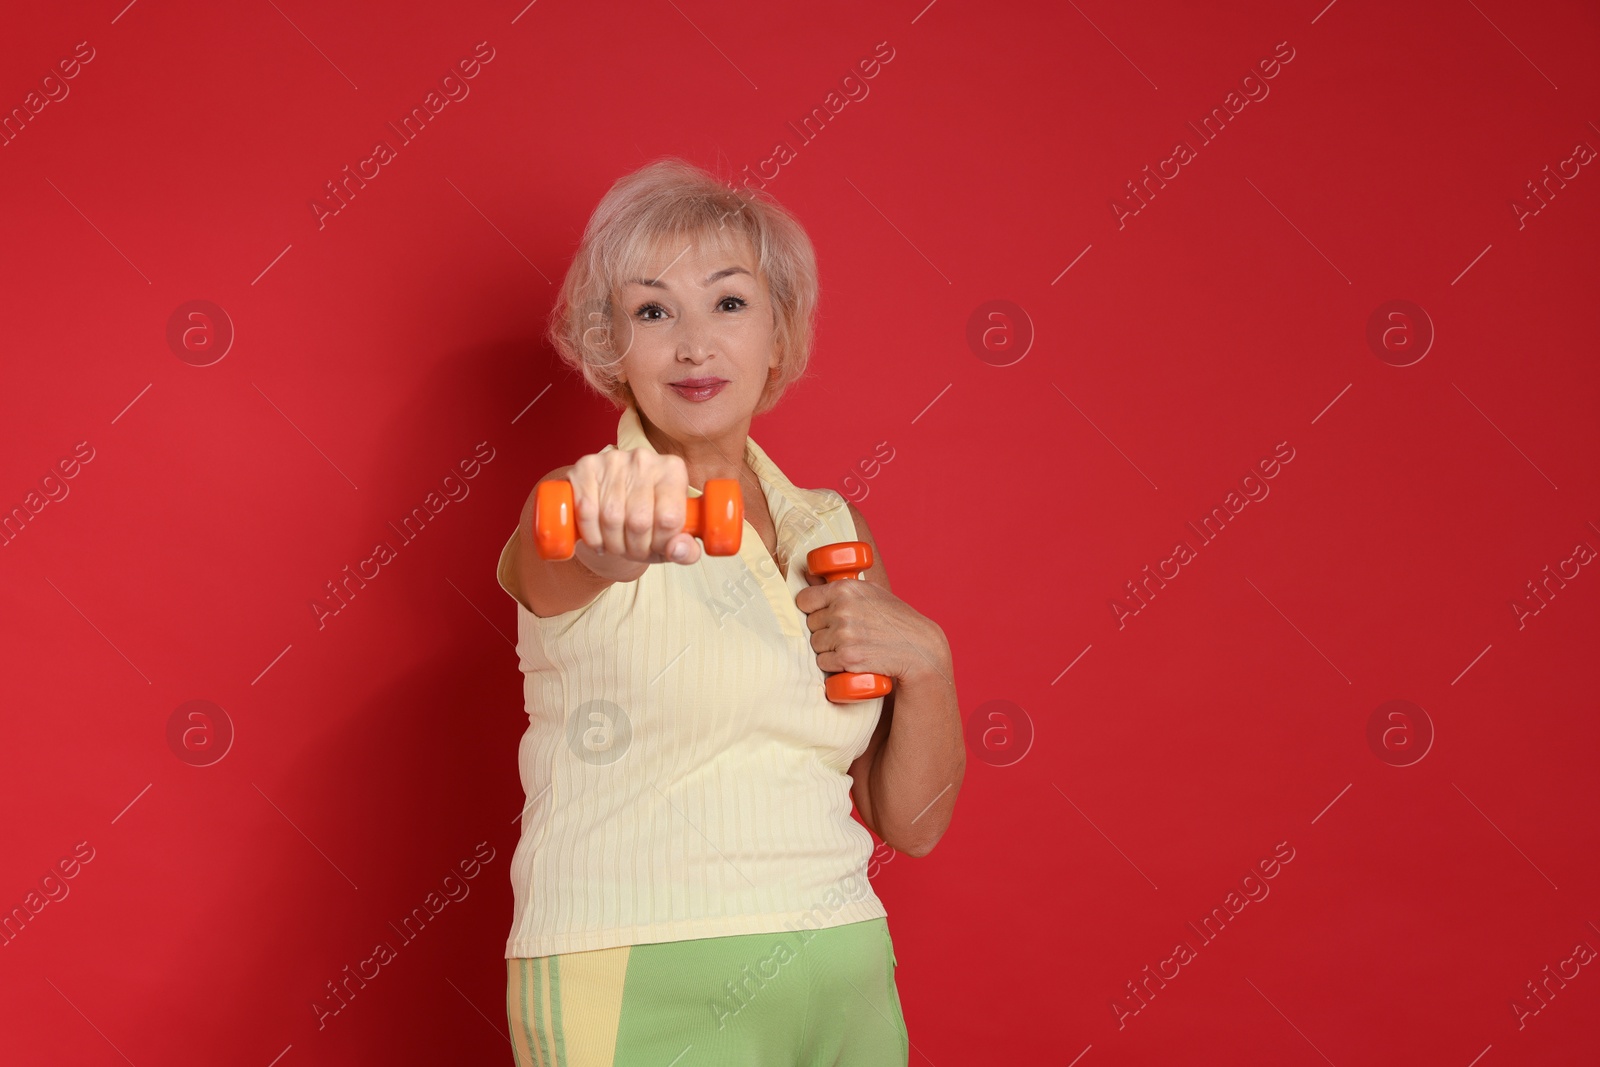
[{"x": 1230, "y": 314}]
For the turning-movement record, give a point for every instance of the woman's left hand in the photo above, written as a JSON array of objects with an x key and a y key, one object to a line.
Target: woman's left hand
[{"x": 860, "y": 627}]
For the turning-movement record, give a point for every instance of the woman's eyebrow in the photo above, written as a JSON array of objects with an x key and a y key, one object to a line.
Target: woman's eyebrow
[{"x": 657, "y": 283}]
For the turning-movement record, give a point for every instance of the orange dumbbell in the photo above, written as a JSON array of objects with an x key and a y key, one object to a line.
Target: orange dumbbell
[
  {"x": 717, "y": 518},
  {"x": 841, "y": 562}
]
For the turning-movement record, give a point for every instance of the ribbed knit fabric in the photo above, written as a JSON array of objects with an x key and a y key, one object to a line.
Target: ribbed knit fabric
[{"x": 685, "y": 774}]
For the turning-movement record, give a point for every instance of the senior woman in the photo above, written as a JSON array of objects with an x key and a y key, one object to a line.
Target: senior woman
[{"x": 689, "y": 885}]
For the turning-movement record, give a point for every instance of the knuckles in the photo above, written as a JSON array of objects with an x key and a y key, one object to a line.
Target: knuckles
[{"x": 603, "y": 481}]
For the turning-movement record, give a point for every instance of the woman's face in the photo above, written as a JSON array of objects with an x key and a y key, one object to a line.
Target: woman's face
[{"x": 696, "y": 333}]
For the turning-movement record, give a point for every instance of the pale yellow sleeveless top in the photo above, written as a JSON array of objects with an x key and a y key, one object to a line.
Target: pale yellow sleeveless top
[{"x": 685, "y": 774}]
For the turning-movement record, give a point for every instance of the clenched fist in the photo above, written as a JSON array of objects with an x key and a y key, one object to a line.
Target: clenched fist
[{"x": 629, "y": 509}]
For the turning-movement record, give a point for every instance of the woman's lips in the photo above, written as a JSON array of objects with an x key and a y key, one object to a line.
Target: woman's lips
[{"x": 698, "y": 390}]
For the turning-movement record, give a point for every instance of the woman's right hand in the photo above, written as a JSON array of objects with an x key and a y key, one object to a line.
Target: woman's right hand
[{"x": 629, "y": 505}]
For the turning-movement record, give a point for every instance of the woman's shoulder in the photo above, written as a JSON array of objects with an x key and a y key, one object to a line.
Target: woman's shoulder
[
  {"x": 823, "y": 499},
  {"x": 816, "y": 516}
]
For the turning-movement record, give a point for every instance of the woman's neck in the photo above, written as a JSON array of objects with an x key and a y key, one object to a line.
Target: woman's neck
[{"x": 707, "y": 457}]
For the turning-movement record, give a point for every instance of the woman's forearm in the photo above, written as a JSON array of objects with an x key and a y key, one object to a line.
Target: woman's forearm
[{"x": 917, "y": 772}]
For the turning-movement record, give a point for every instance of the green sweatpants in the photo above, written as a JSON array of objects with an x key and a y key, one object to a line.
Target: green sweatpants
[{"x": 785, "y": 999}]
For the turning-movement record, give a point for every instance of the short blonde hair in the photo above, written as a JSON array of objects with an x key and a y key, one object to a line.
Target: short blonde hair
[{"x": 673, "y": 199}]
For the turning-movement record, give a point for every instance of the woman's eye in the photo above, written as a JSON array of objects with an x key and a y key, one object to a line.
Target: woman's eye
[
  {"x": 647, "y": 308},
  {"x": 737, "y": 301}
]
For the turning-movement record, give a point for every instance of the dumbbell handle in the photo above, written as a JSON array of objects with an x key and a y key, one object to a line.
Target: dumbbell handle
[
  {"x": 716, "y": 517},
  {"x": 839, "y": 562}
]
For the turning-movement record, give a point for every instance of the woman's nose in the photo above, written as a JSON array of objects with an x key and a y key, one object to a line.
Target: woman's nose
[{"x": 696, "y": 340}]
